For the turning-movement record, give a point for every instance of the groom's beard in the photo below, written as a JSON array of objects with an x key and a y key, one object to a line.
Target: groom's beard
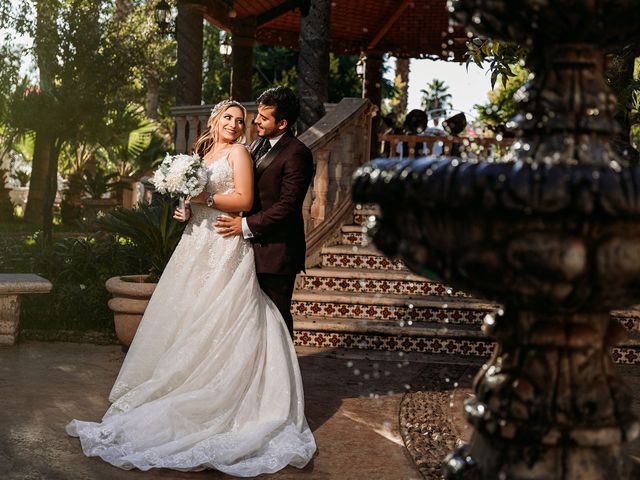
[{"x": 271, "y": 134}]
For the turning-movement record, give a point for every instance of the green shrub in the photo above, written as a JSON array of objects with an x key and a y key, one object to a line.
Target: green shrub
[{"x": 78, "y": 269}]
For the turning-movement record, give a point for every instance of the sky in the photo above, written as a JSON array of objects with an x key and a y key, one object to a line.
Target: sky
[{"x": 467, "y": 87}]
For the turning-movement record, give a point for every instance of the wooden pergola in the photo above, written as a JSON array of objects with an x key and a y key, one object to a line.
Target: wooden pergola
[{"x": 402, "y": 28}]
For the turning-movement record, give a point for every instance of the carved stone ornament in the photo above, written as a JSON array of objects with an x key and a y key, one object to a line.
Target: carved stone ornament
[{"x": 552, "y": 231}]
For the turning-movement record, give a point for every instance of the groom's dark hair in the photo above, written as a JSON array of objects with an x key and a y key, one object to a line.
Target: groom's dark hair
[{"x": 286, "y": 103}]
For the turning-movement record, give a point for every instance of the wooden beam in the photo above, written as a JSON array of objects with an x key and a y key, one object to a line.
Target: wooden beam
[
  {"x": 387, "y": 26},
  {"x": 278, "y": 11}
]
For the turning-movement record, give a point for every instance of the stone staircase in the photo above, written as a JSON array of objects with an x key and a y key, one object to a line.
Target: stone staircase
[{"x": 359, "y": 299}]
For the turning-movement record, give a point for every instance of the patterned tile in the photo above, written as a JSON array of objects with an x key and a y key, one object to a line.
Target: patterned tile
[
  {"x": 477, "y": 348},
  {"x": 392, "y": 343},
  {"x": 361, "y": 285},
  {"x": 390, "y": 312},
  {"x": 357, "y": 260},
  {"x": 354, "y": 238},
  {"x": 362, "y": 217},
  {"x": 631, "y": 323}
]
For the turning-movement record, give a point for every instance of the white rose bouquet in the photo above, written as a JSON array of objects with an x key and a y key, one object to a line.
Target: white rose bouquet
[{"x": 181, "y": 176}]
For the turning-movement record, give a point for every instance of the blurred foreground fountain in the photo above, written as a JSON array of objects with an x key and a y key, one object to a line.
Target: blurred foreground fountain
[{"x": 552, "y": 231}]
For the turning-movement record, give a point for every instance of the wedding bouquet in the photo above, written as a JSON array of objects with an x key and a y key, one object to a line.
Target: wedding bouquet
[{"x": 181, "y": 176}]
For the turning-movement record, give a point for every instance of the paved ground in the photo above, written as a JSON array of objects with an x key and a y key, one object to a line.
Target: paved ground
[
  {"x": 352, "y": 401},
  {"x": 352, "y": 407}
]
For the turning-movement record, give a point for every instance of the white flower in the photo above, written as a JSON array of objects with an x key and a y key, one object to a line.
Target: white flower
[{"x": 180, "y": 175}]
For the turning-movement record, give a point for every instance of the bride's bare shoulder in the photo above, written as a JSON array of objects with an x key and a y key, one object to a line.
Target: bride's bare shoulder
[
  {"x": 239, "y": 153},
  {"x": 239, "y": 149}
]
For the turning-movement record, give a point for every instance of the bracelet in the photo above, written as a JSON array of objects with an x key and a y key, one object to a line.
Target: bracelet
[{"x": 210, "y": 200}]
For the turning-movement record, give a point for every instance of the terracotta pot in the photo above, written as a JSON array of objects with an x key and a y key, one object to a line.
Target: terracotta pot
[
  {"x": 130, "y": 298},
  {"x": 93, "y": 207}
]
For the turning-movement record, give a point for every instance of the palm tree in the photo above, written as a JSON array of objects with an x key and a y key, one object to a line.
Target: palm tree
[{"x": 434, "y": 97}]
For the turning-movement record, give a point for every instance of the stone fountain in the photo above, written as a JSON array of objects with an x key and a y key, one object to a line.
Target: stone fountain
[{"x": 551, "y": 231}]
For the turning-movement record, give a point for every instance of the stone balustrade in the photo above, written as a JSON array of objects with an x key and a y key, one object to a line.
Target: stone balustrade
[{"x": 420, "y": 145}]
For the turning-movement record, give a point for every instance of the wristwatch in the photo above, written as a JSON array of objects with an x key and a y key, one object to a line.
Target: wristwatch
[{"x": 210, "y": 200}]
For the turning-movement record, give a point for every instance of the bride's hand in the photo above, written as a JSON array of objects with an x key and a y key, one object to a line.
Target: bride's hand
[{"x": 177, "y": 213}]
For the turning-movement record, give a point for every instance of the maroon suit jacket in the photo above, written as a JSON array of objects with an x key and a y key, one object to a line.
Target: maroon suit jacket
[{"x": 280, "y": 185}]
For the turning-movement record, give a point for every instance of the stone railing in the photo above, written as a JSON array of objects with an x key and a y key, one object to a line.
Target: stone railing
[
  {"x": 420, "y": 145},
  {"x": 340, "y": 142}
]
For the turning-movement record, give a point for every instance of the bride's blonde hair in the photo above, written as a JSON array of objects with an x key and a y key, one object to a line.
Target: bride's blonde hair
[{"x": 210, "y": 136}]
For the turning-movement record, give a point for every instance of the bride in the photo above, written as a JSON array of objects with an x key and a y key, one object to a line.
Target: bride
[{"x": 211, "y": 379}]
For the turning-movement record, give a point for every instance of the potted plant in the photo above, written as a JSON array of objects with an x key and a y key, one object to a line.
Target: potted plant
[
  {"x": 96, "y": 186},
  {"x": 154, "y": 231}
]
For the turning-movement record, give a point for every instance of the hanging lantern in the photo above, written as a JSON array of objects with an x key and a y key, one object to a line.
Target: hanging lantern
[{"x": 162, "y": 16}]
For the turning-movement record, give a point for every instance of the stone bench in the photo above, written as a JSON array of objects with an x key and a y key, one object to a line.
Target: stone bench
[{"x": 12, "y": 286}]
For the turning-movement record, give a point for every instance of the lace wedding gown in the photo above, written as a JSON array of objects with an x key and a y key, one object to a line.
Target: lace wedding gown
[{"x": 211, "y": 379}]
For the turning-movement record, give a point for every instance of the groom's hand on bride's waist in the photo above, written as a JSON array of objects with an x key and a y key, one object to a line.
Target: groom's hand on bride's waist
[{"x": 228, "y": 225}]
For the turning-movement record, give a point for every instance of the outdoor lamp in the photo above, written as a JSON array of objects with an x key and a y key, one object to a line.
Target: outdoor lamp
[
  {"x": 225, "y": 45},
  {"x": 360, "y": 67},
  {"x": 162, "y": 16}
]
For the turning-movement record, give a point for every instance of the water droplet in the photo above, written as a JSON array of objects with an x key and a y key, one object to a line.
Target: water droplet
[{"x": 489, "y": 320}]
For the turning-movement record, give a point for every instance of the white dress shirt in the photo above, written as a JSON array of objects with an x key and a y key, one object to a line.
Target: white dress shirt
[{"x": 246, "y": 233}]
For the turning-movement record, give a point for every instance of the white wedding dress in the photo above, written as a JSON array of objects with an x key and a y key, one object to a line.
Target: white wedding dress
[{"x": 211, "y": 379}]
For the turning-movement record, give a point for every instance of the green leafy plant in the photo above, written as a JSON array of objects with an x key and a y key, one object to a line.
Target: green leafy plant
[
  {"x": 502, "y": 57},
  {"x": 22, "y": 176},
  {"x": 99, "y": 183},
  {"x": 151, "y": 228}
]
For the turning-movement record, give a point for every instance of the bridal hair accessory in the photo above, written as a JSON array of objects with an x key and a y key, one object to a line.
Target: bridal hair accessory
[{"x": 223, "y": 105}]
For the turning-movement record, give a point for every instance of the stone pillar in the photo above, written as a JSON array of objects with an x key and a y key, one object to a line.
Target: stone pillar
[
  {"x": 313, "y": 61},
  {"x": 242, "y": 64},
  {"x": 9, "y": 318},
  {"x": 189, "y": 36},
  {"x": 372, "y": 89}
]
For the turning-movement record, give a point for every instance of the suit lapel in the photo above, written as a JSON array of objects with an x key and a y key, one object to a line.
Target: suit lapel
[
  {"x": 269, "y": 158},
  {"x": 254, "y": 147},
  {"x": 271, "y": 155}
]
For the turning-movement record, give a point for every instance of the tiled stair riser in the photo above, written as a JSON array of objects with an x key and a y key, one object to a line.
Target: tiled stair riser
[
  {"x": 477, "y": 348},
  {"x": 390, "y": 312},
  {"x": 361, "y": 285},
  {"x": 359, "y": 260},
  {"x": 354, "y": 238}
]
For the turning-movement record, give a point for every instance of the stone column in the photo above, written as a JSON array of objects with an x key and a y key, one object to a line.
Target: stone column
[
  {"x": 372, "y": 89},
  {"x": 189, "y": 36},
  {"x": 242, "y": 42},
  {"x": 313, "y": 61}
]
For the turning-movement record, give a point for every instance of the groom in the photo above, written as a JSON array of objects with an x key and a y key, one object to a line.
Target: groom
[{"x": 283, "y": 168}]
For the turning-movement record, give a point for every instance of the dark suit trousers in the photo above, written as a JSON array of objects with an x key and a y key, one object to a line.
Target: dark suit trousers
[{"x": 279, "y": 288}]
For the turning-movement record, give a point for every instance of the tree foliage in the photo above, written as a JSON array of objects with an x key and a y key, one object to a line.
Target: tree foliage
[{"x": 500, "y": 108}]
